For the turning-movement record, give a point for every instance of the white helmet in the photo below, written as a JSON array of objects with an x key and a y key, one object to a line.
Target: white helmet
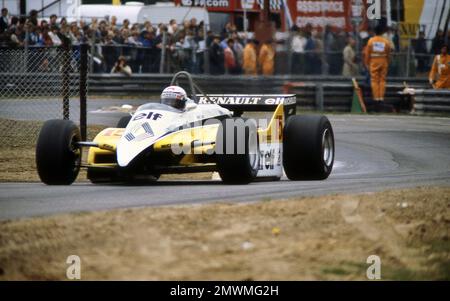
[{"x": 174, "y": 96}]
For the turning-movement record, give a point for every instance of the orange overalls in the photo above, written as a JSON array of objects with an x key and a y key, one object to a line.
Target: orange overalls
[
  {"x": 250, "y": 60},
  {"x": 377, "y": 61},
  {"x": 441, "y": 71},
  {"x": 266, "y": 59}
]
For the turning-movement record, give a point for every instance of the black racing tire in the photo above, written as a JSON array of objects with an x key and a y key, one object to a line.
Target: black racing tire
[
  {"x": 237, "y": 164},
  {"x": 123, "y": 122},
  {"x": 58, "y": 158},
  {"x": 308, "y": 147}
]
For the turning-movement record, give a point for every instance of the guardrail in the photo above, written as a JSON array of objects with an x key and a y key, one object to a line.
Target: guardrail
[
  {"x": 143, "y": 84},
  {"x": 337, "y": 97},
  {"x": 325, "y": 93},
  {"x": 432, "y": 101}
]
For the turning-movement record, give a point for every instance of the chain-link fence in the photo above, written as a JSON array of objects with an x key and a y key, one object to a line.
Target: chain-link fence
[
  {"x": 37, "y": 84},
  {"x": 196, "y": 60}
]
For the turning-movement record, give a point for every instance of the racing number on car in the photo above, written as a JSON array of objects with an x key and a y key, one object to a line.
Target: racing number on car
[{"x": 149, "y": 115}]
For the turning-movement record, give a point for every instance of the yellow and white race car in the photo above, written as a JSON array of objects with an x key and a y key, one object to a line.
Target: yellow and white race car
[{"x": 208, "y": 134}]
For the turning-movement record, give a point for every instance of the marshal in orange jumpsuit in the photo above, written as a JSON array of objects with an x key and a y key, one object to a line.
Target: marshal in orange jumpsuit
[
  {"x": 266, "y": 59},
  {"x": 376, "y": 57},
  {"x": 441, "y": 71},
  {"x": 250, "y": 64}
]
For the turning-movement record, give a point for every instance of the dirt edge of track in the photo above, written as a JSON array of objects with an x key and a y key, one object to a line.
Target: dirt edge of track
[{"x": 327, "y": 237}]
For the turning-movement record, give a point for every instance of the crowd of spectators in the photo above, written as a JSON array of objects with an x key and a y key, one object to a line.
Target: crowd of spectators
[
  {"x": 186, "y": 46},
  {"x": 336, "y": 52}
]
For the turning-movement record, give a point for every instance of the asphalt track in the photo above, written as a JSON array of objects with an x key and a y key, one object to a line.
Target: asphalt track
[{"x": 372, "y": 153}]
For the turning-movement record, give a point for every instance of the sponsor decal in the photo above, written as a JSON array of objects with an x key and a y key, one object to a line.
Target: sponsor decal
[
  {"x": 140, "y": 132},
  {"x": 247, "y": 100},
  {"x": 266, "y": 159},
  {"x": 208, "y": 3},
  {"x": 270, "y": 160},
  {"x": 147, "y": 115},
  {"x": 147, "y": 128},
  {"x": 107, "y": 147},
  {"x": 129, "y": 136}
]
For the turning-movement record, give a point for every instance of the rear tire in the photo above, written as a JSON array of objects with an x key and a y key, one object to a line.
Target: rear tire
[
  {"x": 308, "y": 147},
  {"x": 235, "y": 167},
  {"x": 123, "y": 122},
  {"x": 58, "y": 157}
]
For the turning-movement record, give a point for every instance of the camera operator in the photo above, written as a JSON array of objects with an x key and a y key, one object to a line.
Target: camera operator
[{"x": 121, "y": 67}]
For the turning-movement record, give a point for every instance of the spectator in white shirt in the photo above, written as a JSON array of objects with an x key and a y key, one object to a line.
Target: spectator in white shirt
[{"x": 298, "y": 44}]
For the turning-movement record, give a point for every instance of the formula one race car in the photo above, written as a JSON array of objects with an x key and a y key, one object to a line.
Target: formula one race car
[{"x": 182, "y": 135}]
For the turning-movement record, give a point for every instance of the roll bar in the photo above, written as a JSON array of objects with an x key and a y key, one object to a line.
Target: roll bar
[{"x": 192, "y": 86}]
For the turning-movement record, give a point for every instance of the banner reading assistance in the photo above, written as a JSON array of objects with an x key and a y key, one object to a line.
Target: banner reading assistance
[{"x": 320, "y": 13}]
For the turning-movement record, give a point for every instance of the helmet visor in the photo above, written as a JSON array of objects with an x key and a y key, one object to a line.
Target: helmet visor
[{"x": 173, "y": 102}]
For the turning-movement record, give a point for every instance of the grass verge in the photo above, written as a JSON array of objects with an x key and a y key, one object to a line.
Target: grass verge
[{"x": 328, "y": 237}]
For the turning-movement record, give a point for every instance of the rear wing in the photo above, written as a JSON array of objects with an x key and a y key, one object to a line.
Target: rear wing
[{"x": 239, "y": 103}]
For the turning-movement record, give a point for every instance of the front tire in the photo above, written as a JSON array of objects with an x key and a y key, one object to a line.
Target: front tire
[
  {"x": 308, "y": 145},
  {"x": 58, "y": 157},
  {"x": 237, "y": 163}
]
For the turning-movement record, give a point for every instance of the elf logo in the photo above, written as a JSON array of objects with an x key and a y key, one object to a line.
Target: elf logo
[{"x": 147, "y": 115}]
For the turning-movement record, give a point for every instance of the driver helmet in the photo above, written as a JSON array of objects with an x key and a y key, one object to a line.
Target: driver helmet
[{"x": 175, "y": 97}]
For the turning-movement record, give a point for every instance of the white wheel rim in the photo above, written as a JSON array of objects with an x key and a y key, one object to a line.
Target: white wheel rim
[
  {"x": 327, "y": 147},
  {"x": 253, "y": 150}
]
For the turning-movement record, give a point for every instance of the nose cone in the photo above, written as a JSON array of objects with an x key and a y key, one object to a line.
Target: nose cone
[
  {"x": 133, "y": 142},
  {"x": 141, "y": 133}
]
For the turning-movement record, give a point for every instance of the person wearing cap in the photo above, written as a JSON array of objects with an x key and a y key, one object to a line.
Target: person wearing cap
[
  {"x": 377, "y": 57},
  {"x": 440, "y": 70}
]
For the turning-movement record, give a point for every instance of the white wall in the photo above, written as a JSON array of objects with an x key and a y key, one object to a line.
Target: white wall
[
  {"x": 60, "y": 9},
  {"x": 11, "y": 5}
]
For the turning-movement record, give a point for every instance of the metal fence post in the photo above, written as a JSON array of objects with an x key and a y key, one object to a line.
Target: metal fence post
[
  {"x": 83, "y": 89},
  {"x": 205, "y": 51},
  {"x": 289, "y": 51},
  {"x": 163, "y": 53},
  {"x": 408, "y": 58},
  {"x": 26, "y": 48},
  {"x": 92, "y": 62},
  {"x": 65, "y": 47}
]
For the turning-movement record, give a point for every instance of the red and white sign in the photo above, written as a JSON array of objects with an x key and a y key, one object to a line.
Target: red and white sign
[{"x": 320, "y": 13}]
